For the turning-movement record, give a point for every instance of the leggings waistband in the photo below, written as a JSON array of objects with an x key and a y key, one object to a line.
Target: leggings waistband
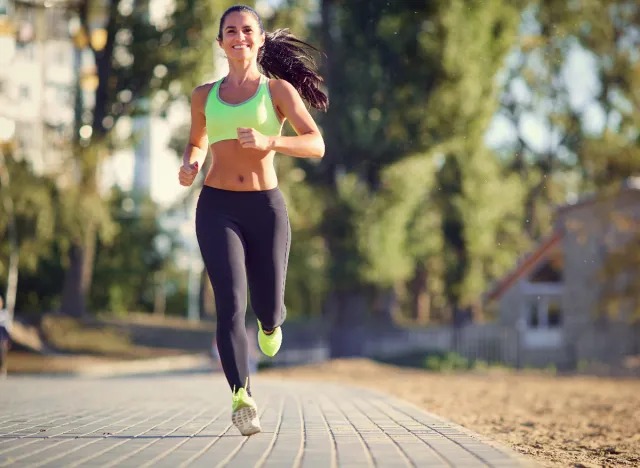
[{"x": 244, "y": 200}]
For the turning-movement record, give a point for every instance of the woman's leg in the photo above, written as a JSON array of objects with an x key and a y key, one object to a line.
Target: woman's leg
[
  {"x": 223, "y": 252},
  {"x": 268, "y": 243}
]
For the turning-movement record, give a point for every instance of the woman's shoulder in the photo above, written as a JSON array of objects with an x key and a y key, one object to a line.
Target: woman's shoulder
[
  {"x": 203, "y": 89},
  {"x": 200, "y": 93},
  {"x": 281, "y": 88},
  {"x": 280, "y": 83}
]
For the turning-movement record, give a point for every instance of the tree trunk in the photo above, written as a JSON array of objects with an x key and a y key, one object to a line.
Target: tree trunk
[
  {"x": 331, "y": 160},
  {"x": 420, "y": 299},
  {"x": 77, "y": 282},
  {"x": 14, "y": 256},
  {"x": 79, "y": 275},
  {"x": 160, "y": 296},
  {"x": 12, "y": 278},
  {"x": 455, "y": 329},
  {"x": 346, "y": 312},
  {"x": 386, "y": 306},
  {"x": 104, "y": 64}
]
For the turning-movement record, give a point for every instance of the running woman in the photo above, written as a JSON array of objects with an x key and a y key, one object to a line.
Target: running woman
[{"x": 242, "y": 224}]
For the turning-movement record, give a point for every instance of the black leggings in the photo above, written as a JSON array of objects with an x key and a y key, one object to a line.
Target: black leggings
[{"x": 244, "y": 239}]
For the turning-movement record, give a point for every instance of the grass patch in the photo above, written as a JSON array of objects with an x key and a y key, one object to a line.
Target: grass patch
[
  {"x": 440, "y": 362},
  {"x": 450, "y": 362},
  {"x": 68, "y": 334},
  {"x": 73, "y": 336},
  {"x": 31, "y": 363},
  {"x": 150, "y": 320}
]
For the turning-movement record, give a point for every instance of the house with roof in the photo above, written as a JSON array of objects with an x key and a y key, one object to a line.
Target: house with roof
[{"x": 571, "y": 300}]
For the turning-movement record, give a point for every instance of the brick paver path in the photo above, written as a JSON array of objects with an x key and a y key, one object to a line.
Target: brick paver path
[{"x": 179, "y": 421}]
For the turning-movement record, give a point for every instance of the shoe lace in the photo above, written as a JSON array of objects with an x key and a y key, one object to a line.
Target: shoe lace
[{"x": 236, "y": 394}]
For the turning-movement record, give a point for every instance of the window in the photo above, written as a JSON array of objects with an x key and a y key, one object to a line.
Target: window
[
  {"x": 25, "y": 132},
  {"x": 554, "y": 313},
  {"x": 61, "y": 57},
  {"x": 63, "y": 96},
  {"x": 57, "y": 23},
  {"x": 533, "y": 320},
  {"x": 24, "y": 92},
  {"x": 548, "y": 272},
  {"x": 542, "y": 322},
  {"x": 543, "y": 312}
]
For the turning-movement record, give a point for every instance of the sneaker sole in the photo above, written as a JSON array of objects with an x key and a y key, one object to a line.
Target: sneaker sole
[{"x": 246, "y": 420}]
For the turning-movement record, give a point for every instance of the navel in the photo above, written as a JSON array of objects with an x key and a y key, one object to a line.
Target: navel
[{"x": 241, "y": 178}]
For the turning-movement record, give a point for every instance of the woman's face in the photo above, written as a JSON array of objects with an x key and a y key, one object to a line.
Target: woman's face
[{"x": 241, "y": 36}]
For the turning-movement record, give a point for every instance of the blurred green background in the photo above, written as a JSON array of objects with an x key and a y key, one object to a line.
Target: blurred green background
[{"x": 455, "y": 130}]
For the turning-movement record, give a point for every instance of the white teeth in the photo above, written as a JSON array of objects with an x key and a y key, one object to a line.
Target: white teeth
[{"x": 238, "y": 46}]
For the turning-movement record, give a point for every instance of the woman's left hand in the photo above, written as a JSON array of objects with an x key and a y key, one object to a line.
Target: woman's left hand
[{"x": 252, "y": 138}]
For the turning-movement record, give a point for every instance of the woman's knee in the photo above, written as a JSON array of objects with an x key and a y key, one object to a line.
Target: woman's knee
[
  {"x": 270, "y": 315},
  {"x": 230, "y": 311}
]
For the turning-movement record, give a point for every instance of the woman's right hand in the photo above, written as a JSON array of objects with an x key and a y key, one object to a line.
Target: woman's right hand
[{"x": 188, "y": 174}]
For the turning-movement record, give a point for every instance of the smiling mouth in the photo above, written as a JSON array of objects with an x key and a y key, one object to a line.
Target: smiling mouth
[{"x": 240, "y": 46}]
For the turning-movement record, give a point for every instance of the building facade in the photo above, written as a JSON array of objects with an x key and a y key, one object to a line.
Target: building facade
[
  {"x": 556, "y": 298},
  {"x": 37, "y": 84}
]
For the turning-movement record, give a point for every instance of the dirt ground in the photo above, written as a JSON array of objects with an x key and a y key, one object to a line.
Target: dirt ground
[
  {"x": 31, "y": 363},
  {"x": 559, "y": 421}
]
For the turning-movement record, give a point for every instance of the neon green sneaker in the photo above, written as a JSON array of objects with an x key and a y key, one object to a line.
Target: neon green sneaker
[
  {"x": 244, "y": 413},
  {"x": 269, "y": 344}
]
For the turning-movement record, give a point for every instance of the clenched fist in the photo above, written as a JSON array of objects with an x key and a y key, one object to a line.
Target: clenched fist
[
  {"x": 188, "y": 174},
  {"x": 252, "y": 138}
]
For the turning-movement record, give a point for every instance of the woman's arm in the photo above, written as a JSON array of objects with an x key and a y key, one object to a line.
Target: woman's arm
[
  {"x": 309, "y": 142},
  {"x": 196, "y": 149}
]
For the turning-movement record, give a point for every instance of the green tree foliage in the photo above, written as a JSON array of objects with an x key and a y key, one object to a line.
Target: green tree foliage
[
  {"x": 27, "y": 222},
  {"x": 536, "y": 89},
  {"x": 125, "y": 271},
  {"x": 141, "y": 66},
  {"x": 466, "y": 103},
  {"x": 388, "y": 224},
  {"x": 576, "y": 156},
  {"x": 430, "y": 89},
  {"x": 380, "y": 71},
  {"x": 307, "y": 279},
  {"x": 609, "y": 30},
  {"x": 409, "y": 204},
  {"x": 381, "y": 67},
  {"x": 601, "y": 157},
  {"x": 33, "y": 210}
]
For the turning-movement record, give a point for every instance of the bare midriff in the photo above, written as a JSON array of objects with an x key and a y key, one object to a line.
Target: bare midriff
[{"x": 241, "y": 169}]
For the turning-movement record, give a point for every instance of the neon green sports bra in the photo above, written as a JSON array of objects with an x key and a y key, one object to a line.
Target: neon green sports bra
[{"x": 223, "y": 119}]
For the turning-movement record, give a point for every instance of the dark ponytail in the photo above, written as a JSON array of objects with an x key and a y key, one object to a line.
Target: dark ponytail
[{"x": 287, "y": 57}]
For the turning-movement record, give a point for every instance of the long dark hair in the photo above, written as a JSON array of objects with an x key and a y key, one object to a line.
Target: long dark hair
[{"x": 287, "y": 57}]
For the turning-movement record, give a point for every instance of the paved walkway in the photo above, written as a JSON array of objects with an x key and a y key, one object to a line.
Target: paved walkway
[{"x": 178, "y": 421}]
